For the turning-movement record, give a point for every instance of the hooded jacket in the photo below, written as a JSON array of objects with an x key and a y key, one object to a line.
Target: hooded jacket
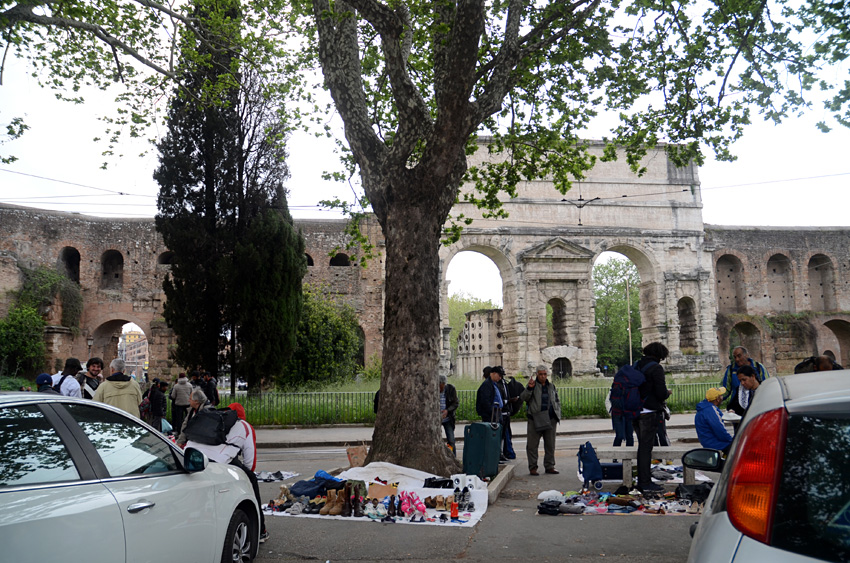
[
  {"x": 653, "y": 391},
  {"x": 120, "y": 391},
  {"x": 709, "y": 425},
  {"x": 180, "y": 392}
]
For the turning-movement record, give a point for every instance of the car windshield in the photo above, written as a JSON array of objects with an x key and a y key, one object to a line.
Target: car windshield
[{"x": 813, "y": 508}]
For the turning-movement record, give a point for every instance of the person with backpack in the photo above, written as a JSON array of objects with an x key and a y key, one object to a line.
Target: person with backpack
[
  {"x": 240, "y": 442},
  {"x": 197, "y": 402},
  {"x": 653, "y": 392},
  {"x": 626, "y": 405},
  {"x": 65, "y": 382},
  {"x": 158, "y": 403}
]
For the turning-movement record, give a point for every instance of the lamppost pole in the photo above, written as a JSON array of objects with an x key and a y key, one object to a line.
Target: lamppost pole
[{"x": 90, "y": 342}]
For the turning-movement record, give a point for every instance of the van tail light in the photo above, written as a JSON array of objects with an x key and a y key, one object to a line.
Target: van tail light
[{"x": 754, "y": 484}]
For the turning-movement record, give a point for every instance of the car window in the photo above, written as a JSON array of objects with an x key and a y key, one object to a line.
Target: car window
[
  {"x": 31, "y": 450},
  {"x": 125, "y": 446},
  {"x": 813, "y": 507}
]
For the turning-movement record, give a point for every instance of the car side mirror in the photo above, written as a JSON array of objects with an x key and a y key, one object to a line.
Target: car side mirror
[
  {"x": 194, "y": 460},
  {"x": 703, "y": 459}
]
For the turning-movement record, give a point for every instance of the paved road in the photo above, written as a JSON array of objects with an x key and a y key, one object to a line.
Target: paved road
[{"x": 510, "y": 531}]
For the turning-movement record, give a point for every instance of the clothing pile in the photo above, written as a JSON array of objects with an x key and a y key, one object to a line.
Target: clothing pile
[
  {"x": 632, "y": 502},
  {"x": 270, "y": 477},
  {"x": 382, "y": 492}
]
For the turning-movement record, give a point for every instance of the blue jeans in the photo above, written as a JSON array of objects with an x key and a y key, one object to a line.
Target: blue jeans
[
  {"x": 623, "y": 430},
  {"x": 449, "y": 427}
]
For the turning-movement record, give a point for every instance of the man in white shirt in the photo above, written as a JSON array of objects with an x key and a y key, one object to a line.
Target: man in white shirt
[{"x": 69, "y": 387}]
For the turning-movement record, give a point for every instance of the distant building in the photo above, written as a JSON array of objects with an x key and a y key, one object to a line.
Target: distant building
[
  {"x": 479, "y": 344},
  {"x": 135, "y": 347}
]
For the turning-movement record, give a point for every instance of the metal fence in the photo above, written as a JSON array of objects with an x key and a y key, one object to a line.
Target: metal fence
[{"x": 313, "y": 409}]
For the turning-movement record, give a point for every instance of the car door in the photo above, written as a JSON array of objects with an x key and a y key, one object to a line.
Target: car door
[
  {"x": 168, "y": 514},
  {"x": 52, "y": 508}
]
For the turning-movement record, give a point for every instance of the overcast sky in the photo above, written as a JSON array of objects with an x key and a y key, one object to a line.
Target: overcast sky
[{"x": 786, "y": 175}]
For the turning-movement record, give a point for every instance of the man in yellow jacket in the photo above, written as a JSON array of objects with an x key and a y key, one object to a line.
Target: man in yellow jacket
[{"x": 119, "y": 390}]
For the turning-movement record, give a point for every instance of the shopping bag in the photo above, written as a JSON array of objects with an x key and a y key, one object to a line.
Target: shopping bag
[{"x": 356, "y": 455}]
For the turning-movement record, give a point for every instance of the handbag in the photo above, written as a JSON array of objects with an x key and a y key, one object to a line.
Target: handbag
[{"x": 541, "y": 420}]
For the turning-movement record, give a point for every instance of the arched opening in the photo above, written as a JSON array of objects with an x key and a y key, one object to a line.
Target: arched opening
[
  {"x": 475, "y": 316},
  {"x": 731, "y": 292},
  {"x": 747, "y": 335},
  {"x": 556, "y": 323},
  {"x": 112, "y": 270},
  {"x": 780, "y": 284},
  {"x": 822, "y": 284},
  {"x": 69, "y": 263},
  {"x": 340, "y": 259},
  {"x": 614, "y": 312},
  {"x": 165, "y": 259},
  {"x": 562, "y": 368},
  {"x": 841, "y": 330},
  {"x": 688, "y": 341},
  {"x": 309, "y": 259},
  {"x": 119, "y": 338}
]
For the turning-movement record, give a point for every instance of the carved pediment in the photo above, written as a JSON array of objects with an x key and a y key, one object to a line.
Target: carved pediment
[{"x": 556, "y": 249}]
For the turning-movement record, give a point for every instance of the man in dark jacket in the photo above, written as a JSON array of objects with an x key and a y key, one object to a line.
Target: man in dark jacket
[
  {"x": 507, "y": 410},
  {"x": 158, "y": 404},
  {"x": 45, "y": 384},
  {"x": 209, "y": 387},
  {"x": 488, "y": 398},
  {"x": 448, "y": 405},
  {"x": 653, "y": 393}
]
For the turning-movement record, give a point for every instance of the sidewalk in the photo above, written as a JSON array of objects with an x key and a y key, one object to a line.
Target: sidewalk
[{"x": 352, "y": 435}]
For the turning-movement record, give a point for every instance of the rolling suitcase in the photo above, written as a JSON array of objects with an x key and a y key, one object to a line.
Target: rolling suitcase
[{"x": 482, "y": 443}]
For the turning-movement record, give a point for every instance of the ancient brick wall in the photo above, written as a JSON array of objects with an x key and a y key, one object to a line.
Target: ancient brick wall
[{"x": 783, "y": 293}]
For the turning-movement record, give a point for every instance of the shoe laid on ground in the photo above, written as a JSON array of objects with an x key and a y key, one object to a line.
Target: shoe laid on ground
[
  {"x": 264, "y": 536},
  {"x": 651, "y": 488},
  {"x": 552, "y": 471},
  {"x": 533, "y": 472}
]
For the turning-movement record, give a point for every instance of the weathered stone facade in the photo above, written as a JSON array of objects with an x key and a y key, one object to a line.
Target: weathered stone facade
[
  {"x": 783, "y": 293},
  {"x": 120, "y": 265}
]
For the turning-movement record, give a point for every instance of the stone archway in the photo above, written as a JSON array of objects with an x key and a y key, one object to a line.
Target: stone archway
[
  {"x": 841, "y": 330},
  {"x": 749, "y": 336}
]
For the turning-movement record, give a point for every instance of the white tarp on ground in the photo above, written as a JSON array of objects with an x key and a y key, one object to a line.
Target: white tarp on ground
[{"x": 411, "y": 480}]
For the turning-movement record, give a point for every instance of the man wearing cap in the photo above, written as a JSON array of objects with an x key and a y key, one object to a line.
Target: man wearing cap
[
  {"x": 45, "y": 384},
  {"x": 67, "y": 379},
  {"x": 544, "y": 414},
  {"x": 448, "y": 406},
  {"x": 709, "y": 422}
]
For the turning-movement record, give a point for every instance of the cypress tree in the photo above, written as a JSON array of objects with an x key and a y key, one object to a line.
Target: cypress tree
[{"x": 234, "y": 289}]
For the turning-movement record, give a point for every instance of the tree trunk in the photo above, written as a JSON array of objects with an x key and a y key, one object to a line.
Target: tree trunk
[{"x": 408, "y": 428}]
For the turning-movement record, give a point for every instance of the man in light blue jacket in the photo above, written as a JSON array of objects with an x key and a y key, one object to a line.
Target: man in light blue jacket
[{"x": 709, "y": 422}]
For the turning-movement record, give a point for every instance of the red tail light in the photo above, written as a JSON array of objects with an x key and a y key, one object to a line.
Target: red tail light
[{"x": 754, "y": 484}]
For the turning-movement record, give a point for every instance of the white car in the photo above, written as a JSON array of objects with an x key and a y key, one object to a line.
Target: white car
[
  {"x": 83, "y": 481},
  {"x": 784, "y": 492}
]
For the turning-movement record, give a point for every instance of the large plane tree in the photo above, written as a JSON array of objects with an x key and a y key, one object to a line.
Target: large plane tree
[{"x": 417, "y": 83}]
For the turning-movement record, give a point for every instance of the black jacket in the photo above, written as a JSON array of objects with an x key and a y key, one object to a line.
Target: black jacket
[
  {"x": 157, "y": 399},
  {"x": 484, "y": 401},
  {"x": 653, "y": 391},
  {"x": 452, "y": 402}
]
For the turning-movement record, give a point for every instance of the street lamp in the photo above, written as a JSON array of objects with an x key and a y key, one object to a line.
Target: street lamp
[{"x": 90, "y": 342}]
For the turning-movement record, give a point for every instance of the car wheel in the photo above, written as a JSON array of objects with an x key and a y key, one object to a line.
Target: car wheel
[{"x": 238, "y": 546}]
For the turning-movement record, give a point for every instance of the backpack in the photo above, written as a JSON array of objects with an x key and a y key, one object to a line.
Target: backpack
[
  {"x": 58, "y": 386},
  {"x": 145, "y": 408},
  {"x": 588, "y": 465},
  {"x": 625, "y": 395},
  {"x": 210, "y": 426}
]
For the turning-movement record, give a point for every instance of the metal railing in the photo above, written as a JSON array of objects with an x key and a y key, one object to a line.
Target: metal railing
[{"x": 313, "y": 409}]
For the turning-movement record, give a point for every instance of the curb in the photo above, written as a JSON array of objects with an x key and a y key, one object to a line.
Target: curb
[{"x": 494, "y": 489}]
